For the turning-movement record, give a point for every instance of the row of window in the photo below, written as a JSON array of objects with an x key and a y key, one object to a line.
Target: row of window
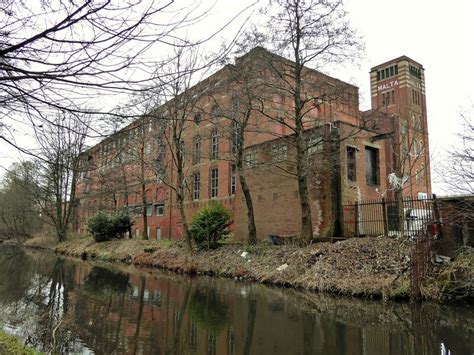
[
  {"x": 216, "y": 111},
  {"x": 415, "y": 71},
  {"x": 158, "y": 209},
  {"x": 387, "y": 72},
  {"x": 214, "y": 146},
  {"x": 124, "y": 137},
  {"x": 371, "y": 165},
  {"x": 213, "y": 183}
]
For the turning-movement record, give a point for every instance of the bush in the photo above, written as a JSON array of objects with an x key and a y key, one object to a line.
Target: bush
[
  {"x": 210, "y": 225},
  {"x": 105, "y": 226}
]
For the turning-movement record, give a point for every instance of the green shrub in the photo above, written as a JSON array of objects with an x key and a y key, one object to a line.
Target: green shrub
[
  {"x": 105, "y": 226},
  {"x": 210, "y": 225}
]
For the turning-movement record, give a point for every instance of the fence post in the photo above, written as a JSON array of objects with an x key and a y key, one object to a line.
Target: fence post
[
  {"x": 357, "y": 219},
  {"x": 437, "y": 217},
  {"x": 385, "y": 219}
]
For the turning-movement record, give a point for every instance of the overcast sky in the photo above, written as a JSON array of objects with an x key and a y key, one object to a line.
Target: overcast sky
[{"x": 437, "y": 34}]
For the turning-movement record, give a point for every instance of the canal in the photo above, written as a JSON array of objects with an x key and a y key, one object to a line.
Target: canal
[{"x": 56, "y": 304}]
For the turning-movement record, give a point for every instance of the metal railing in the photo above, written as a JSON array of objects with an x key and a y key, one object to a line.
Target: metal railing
[{"x": 408, "y": 216}]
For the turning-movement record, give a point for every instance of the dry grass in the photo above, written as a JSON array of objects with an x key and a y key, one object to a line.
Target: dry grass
[
  {"x": 11, "y": 345},
  {"x": 363, "y": 267},
  {"x": 455, "y": 279},
  {"x": 369, "y": 268},
  {"x": 45, "y": 241}
]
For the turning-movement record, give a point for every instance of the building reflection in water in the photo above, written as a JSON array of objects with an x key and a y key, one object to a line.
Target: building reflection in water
[{"x": 58, "y": 304}]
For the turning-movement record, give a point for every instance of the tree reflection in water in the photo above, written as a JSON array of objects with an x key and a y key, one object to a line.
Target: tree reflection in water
[
  {"x": 62, "y": 305},
  {"x": 208, "y": 310}
]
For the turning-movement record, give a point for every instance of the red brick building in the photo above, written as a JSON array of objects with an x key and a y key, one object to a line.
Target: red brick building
[{"x": 350, "y": 153}]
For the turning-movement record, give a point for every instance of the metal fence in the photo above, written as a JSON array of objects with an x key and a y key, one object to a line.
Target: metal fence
[{"x": 384, "y": 217}]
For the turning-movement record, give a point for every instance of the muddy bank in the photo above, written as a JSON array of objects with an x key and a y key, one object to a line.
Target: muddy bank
[{"x": 363, "y": 267}]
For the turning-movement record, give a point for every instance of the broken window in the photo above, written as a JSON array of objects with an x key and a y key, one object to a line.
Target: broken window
[
  {"x": 315, "y": 145},
  {"x": 279, "y": 153},
  {"x": 351, "y": 163},
  {"x": 233, "y": 179},
  {"x": 251, "y": 159},
  {"x": 371, "y": 166}
]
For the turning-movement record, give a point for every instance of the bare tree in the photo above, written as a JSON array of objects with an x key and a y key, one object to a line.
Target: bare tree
[
  {"x": 143, "y": 159},
  {"x": 59, "y": 164},
  {"x": 173, "y": 87},
  {"x": 241, "y": 125},
  {"x": 60, "y": 54},
  {"x": 458, "y": 177},
  {"x": 309, "y": 33},
  {"x": 459, "y": 174},
  {"x": 409, "y": 168}
]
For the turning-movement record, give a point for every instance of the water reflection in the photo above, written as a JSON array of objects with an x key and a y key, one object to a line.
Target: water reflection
[{"x": 62, "y": 305}]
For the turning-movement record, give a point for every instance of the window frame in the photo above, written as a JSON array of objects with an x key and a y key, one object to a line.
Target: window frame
[
  {"x": 197, "y": 150},
  {"x": 279, "y": 152},
  {"x": 251, "y": 159},
  {"x": 214, "y": 182},
  {"x": 214, "y": 143},
  {"x": 351, "y": 163},
  {"x": 196, "y": 185},
  {"x": 233, "y": 179},
  {"x": 372, "y": 176},
  {"x": 160, "y": 205}
]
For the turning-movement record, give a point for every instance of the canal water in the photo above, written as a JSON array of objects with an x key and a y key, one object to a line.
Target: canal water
[{"x": 56, "y": 304}]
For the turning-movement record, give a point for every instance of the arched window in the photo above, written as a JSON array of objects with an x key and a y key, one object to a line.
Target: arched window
[
  {"x": 215, "y": 112},
  {"x": 197, "y": 118},
  {"x": 159, "y": 194}
]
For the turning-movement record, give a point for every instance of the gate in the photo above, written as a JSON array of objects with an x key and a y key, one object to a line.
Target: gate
[{"x": 375, "y": 218}]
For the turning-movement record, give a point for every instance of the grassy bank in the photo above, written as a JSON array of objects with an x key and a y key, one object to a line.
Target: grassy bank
[
  {"x": 363, "y": 267},
  {"x": 11, "y": 345}
]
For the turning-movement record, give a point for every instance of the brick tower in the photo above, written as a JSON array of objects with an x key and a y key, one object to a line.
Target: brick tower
[{"x": 398, "y": 98}]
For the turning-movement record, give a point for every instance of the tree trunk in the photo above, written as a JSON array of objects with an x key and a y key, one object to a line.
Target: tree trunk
[
  {"x": 400, "y": 211},
  {"x": 306, "y": 219},
  {"x": 180, "y": 194},
  {"x": 250, "y": 324},
  {"x": 252, "y": 229},
  {"x": 301, "y": 152},
  {"x": 184, "y": 222},
  {"x": 144, "y": 216},
  {"x": 141, "y": 301}
]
